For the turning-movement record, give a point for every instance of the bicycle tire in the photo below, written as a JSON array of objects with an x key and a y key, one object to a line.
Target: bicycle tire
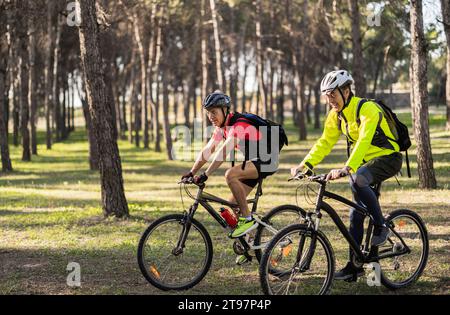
[
  {"x": 154, "y": 279},
  {"x": 389, "y": 283},
  {"x": 301, "y": 229}
]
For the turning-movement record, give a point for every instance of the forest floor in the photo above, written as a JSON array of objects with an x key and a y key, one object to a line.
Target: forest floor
[{"x": 50, "y": 215}]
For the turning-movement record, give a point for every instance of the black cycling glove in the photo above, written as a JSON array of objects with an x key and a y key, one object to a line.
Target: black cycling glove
[
  {"x": 200, "y": 179},
  {"x": 187, "y": 176}
]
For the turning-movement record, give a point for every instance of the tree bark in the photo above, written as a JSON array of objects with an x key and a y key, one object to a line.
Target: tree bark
[
  {"x": 4, "y": 54},
  {"x": 113, "y": 196},
  {"x": 93, "y": 147},
  {"x": 445, "y": 7},
  {"x": 259, "y": 59},
  {"x": 144, "y": 108},
  {"x": 218, "y": 52},
  {"x": 157, "y": 102},
  {"x": 16, "y": 103},
  {"x": 358, "y": 60},
  {"x": 24, "y": 78},
  {"x": 205, "y": 73},
  {"x": 166, "y": 125},
  {"x": 317, "y": 106},
  {"x": 419, "y": 96},
  {"x": 48, "y": 73},
  {"x": 55, "y": 90},
  {"x": 32, "y": 97},
  {"x": 280, "y": 96}
]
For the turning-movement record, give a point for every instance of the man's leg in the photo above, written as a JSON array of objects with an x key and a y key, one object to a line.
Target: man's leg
[
  {"x": 356, "y": 230},
  {"x": 239, "y": 190},
  {"x": 360, "y": 185},
  {"x": 247, "y": 191}
]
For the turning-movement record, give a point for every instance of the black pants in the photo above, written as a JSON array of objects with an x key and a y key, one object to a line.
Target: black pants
[{"x": 374, "y": 171}]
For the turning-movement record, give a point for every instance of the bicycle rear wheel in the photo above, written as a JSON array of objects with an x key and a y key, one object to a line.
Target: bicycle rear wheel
[
  {"x": 165, "y": 268},
  {"x": 401, "y": 271},
  {"x": 292, "y": 277}
]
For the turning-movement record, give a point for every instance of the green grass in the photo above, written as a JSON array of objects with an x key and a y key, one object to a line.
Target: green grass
[{"x": 50, "y": 215}]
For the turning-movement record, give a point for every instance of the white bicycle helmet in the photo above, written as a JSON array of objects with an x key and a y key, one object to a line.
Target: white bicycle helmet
[{"x": 335, "y": 79}]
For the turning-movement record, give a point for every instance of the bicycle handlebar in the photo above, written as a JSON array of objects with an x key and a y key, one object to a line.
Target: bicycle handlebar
[
  {"x": 190, "y": 181},
  {"x": 321, "y": 178}
]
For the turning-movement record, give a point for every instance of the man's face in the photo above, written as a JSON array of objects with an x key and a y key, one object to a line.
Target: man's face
[
  {"x": 215, "y": 116},
  {"x": 334, "y": 99}
]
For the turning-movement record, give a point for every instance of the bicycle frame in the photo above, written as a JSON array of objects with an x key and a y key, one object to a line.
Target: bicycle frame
[
  {"x": 362, "y": 255},
  {"x": 203, "y": 198}
]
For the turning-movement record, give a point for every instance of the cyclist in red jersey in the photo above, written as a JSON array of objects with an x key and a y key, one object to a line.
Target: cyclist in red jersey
[{"x": 235, "y": 132}]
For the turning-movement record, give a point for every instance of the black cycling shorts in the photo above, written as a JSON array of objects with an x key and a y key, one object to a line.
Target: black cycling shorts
[{"x": 261, "y": 175}]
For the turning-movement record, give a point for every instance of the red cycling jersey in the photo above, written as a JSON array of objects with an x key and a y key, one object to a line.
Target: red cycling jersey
[{"x": 241, "y": 129}]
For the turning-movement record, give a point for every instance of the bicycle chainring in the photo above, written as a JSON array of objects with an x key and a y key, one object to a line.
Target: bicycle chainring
[{"x": 238, "y": 248}]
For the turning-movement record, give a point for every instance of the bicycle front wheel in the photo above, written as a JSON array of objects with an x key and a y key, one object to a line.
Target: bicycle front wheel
[
  {"x": 277, "y": 218},
  {"x": 407, "y": 228},
  {"x": 303, "y": 260},
  {"x": 167, "y": 268}
]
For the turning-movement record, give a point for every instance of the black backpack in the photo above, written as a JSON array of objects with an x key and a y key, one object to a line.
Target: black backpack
[
  {"x": 257, "y": 122},
  {"x": 398, "y": 129}
]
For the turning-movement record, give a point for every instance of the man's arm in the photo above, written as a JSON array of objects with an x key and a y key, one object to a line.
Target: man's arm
[
  {"x": 221, "y": 155},
  {"x": 205, "y": 154},
  {"x": 323, "y": 146}
]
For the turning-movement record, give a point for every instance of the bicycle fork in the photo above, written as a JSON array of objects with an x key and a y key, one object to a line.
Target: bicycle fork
[
  {"x": 312, "y": 228},
  {"x": 187, "y": 223}
]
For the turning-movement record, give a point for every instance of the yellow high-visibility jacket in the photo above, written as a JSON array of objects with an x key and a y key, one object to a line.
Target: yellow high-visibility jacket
[{"x": 368, "y": 138}]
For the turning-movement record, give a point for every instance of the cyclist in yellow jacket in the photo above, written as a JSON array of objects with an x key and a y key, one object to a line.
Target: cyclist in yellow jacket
[{"x": 373, "y": 158}]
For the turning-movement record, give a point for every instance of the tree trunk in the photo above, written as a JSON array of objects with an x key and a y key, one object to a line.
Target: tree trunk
[
  {"x": 419, "y": 96},
  {"x": 317, "y": 106},
  {"x": 445, "y": 6},
  {"x": 113, "y": 195},
  {"x": 32, "y": 76},
  {"x": 55, "y": 90},
  {"x": 271, "y": 90},
  {"x": 24, "y": 79},
  {"x": 63, "y": 109},
  {"x": 48, "y": 73},
  {"x": 166, "y": 125},
  {"x": 132, "y": 100},
  {"x": 204, "y": 44},
  {"x": 308, "y": 105},
  {"x": 280, "y": 96},
  {"x": 293, "y": 96},
  {"x": 157, "y": 102},
  {"x": 4, "y": 54},
  {"x": 244, "y": 81},
  {"x": 72, "y": 107},
  {"x": 16, "y": 105},
  {"x": 259, "y": 59},
  {"x": 218, "y": 52},
  {"x": 358, "y": 60},
  {"x": 144, "y": 108},
  {"x": 93, "y": 147}
]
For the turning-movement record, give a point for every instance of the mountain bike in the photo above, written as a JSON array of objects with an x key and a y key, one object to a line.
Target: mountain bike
[
  {"x": 305, "y": 260},
  {"x": 175, "y": 252}
]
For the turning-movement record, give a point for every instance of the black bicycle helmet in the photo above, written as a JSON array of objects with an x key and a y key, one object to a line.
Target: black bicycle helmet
[{"x": 217, "y": 99}]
